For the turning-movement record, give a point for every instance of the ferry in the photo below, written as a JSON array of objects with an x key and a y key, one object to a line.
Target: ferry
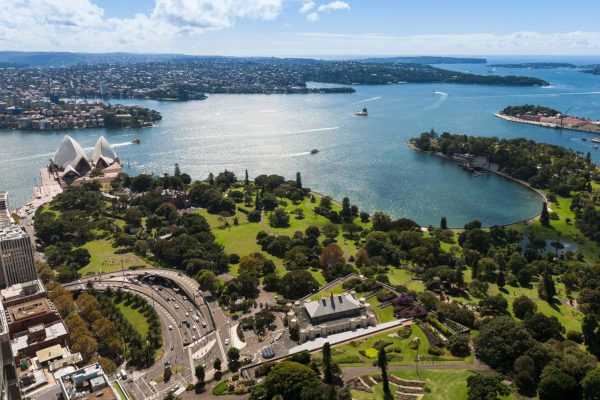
[
  {"x": 362, "y": 113},
  {"x": 314, "y": 151},
  {"x": 136, "y": 141},
  {"x": 596, "y": 140}
]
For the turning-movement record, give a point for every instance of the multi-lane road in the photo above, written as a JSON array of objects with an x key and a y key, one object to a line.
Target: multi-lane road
[{"x": 195, "y": 331}]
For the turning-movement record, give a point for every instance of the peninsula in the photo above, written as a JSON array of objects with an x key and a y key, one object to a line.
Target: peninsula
[
  {"x": 547, "y": 118},
  {"x": 535, "y": 65},
  {"x": 31, "y": 111},
  {"x": 192, "y": 78}
]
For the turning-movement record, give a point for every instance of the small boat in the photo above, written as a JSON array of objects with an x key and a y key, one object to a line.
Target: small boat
[
  {"x": 314, "y": 151},
  {"x": 595, "y": 146},
  {"x": 596, "y": 140},
  {"x": 584, "y": 139},
  {"x": 136, "y": 141},
  {"x": 362, "y": 113}
]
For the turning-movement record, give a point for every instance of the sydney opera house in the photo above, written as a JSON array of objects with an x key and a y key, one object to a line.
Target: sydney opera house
[{"x": 70, "y": 164}]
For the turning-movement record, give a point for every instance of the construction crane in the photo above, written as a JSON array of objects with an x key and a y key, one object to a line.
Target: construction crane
[{"x": 562, "y": 115}]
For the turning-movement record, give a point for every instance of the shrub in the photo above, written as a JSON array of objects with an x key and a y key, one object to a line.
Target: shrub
[
  {"x": 220, "y": 389},
  {"x": 435, "y": 351},
  {"x": 405, "y": 332},
  {"x": 234, "y": 258},
  {"x": 459, "y": 345}
]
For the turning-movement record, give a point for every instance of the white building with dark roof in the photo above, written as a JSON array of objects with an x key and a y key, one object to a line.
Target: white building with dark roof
[{"x": 330, "y": 315}]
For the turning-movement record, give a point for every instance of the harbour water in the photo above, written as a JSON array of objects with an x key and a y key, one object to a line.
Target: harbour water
[{"x": 364, "y": 158}]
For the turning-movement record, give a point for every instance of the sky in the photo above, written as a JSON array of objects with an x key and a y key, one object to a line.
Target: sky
[{"x": 285, "y": 28}]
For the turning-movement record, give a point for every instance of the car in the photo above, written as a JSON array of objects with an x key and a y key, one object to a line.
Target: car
[
  {"x": 203, "y": 324},
  {"x": 172, "y": 298},
  {"x": 191, "y": 310},
  {"x": 180, "y": 274},
  {"x": 187, "y": 314},
  {"x": 160, "y": 288},
  {"x": 196, "y": 318},
  {"x": 194, "y": 327},
  {"x": 185, "y": 342},
  {"x": 176, "y": 306},
  {"x": 226, "y": 342},
  {"x": 127, "y": 273},
  {"x": 170, "y": 327},
  {"x": 272, "y": 341},
  {"x": 193, "y": 337},
  {"x": 197, "y": 312},
  {"x": 172, "y": 347},
  {"x": 184, "y": 298},
  {"x": 112, "y": 275}
]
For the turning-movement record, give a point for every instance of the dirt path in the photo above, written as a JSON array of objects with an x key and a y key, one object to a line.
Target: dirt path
[{"x": 264, "y": 225}]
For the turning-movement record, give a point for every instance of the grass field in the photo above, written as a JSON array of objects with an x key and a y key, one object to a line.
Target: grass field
[
  {"x": 349, "y": 354},
  {"x": 442, "y": 384},
  {"x": 135, "y": 318},
  {"x": 385, "y": 314},
  {"x": 119, "y": 391},
  {"x": 103, "y": 258}
]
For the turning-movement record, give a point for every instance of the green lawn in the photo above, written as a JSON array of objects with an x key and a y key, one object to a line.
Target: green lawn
[
  {"x": 349, "y": 354},
  {"x": 442, "y": 384},
  {"x": 119, "y": 391},
  {"x": 135, "y": 318},
  {"x": 385, "y": 314},
  {"x": 103, "y": 258},
  {"x": 399, "y": 276}
]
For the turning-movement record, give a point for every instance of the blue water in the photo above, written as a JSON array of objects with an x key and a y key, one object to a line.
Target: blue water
[{"x": 363, "y": 158}]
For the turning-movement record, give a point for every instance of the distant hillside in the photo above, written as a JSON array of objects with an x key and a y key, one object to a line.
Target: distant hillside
[
  {"x": 425, "y": 60},
  {"x": 535, "y": 65}
]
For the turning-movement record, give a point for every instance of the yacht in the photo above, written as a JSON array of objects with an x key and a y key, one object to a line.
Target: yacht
[
  {"x": 136, "y": 141},
  {"x": 314, "y": 151},
  {"x": 362, "y": 113}
]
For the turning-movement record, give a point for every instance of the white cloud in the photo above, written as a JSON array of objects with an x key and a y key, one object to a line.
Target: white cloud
[
  {"x": 81, "y": 25},
  {"x": 312, "y": 17},
  {"x": 334, "y": 5},
  {"x": 306, "y": 7},
  {"x": 517, "y": 43}
]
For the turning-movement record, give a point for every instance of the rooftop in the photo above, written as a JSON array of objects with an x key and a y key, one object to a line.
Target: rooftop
[
  {"x": 50, "y": 353},
  {"x": 28, "y": 310},
  {"x": 335, "y": 304},
  {"x": 21, "y": 290},
  {"x": 11, "y": 232},
  {"x": 89, "y": 382},
  {"x": 22, "y": 340},
  {"x": 5, "y": 218}
]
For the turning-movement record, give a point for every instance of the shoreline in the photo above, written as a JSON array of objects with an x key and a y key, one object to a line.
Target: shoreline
[
  {"x": 527, "y": 221},
  {"x": 544, "y": 124}
]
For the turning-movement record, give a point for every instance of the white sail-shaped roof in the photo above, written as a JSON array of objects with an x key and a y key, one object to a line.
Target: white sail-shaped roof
[
  {"x": 70, "y": 154},
  {"x": 104, "y": 152}
]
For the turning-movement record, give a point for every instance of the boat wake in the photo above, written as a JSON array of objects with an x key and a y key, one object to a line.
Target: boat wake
[
  {"x": 440, "y": 93},
  {"x": 121, "y": 144},
  {"x": 333, "y": 128},
  {"x": 366, "y": 100},
  {"x": 304, "y": 153}
]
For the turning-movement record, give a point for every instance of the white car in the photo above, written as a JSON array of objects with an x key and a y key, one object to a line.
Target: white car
[
  {"x": 193, "y": 337},
  {"x": 187, "y": 314},
  {"x": 226, "y": 342},
  {"x": 203, "y": 324},
  {"x": 176, "y": 306},
  {"x": 170, "y": 327},
  {"x": 194, "y": 327}
]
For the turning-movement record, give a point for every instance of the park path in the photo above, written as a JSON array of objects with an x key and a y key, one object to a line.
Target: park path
[{"x": 264, "y": 225}]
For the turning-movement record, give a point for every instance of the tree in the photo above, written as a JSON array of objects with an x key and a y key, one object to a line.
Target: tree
[
  {"x": 546, "y": 288},
  {"x": 246, "y": 180},
  {"x": 590, "y": 385},
  {"x": 327, "y": 374},
  {"x": 381, "y": 222},
  {"x": 544, "y": 216},
  {"x": 485, "y": 387},
  {"x": 591, "y": 333},
  {"x": 233, "y": 356},
  {"x": 501, "y": 281},
  {"x": 382, "y": 364},
  {"x": 298, "y": 180},
  {"x": 207, "y": 280},
  {"x": 331, "y": 255},
  {"x": 501, "y": 341},
  {"x": 142, "y": 183},
  {"x": 443, "y": 223},
  {"x": 459, "y": 345},
  {"x": 200, "y": 374},
  {"x": 543, "y": 327},
  {"x": 557, "y": 385},
  {"x": 522, "y": 306},
  {"x": 44, "y": 272},
  {"x": 263, "y": 318},
  {"x": 86, "y": 345},
  {"x": 217, "y": 364},
  {"x": 296, "y": 284},
  {"x": 279, "y": 218},
  {"x": 346, "y": 211},
  {"x": 288, "y": 379},
  {"x": 87, "y": 304},
  {"x": 494, "y": 305}
]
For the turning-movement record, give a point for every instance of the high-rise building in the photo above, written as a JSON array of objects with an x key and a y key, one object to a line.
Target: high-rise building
[{"x": 17, "y": 264}]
